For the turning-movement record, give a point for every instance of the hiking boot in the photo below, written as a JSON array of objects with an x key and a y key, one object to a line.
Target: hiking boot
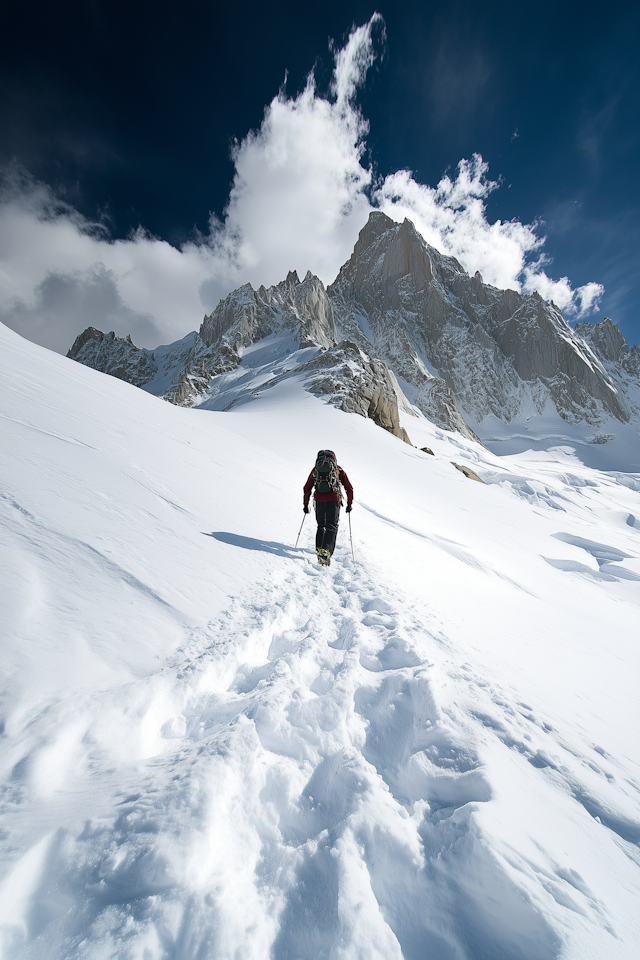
[{"x": 324, "y": 557}]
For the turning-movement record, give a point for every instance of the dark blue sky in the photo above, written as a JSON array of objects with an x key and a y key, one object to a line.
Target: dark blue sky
[{"x": 129, "y": 110}]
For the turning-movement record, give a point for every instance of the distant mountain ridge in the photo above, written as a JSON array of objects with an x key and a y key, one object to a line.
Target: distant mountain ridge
[{"x": 402, "y": 326}]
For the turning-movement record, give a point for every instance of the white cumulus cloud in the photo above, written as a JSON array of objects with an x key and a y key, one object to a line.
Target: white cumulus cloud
[
  {"x": 452, "y": 218},
  {"x": 576, "y": 303},
  {"x": 299, "y": 197}
]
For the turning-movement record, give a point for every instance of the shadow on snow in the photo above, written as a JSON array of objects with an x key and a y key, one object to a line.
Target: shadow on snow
[{"x": 248, "y": 543}]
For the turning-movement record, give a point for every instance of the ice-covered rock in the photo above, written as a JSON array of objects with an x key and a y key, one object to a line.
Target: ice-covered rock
[
  {"x": 605, "y": 338},
  {"x": 246, "y": 315},
  {"x": 621, "y": 361}
]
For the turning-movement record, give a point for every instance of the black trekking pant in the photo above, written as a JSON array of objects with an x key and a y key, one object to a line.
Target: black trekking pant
[{"x": 328, "y": 517}]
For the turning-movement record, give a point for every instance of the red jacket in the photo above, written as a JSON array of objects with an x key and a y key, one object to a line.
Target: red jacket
[{"x": 323, "y": 497}]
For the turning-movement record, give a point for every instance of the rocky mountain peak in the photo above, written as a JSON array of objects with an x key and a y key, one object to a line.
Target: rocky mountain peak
[
  {"x": 117, "y": 356},
  {"x": 606, "y": 334},
  {"x": 497, "y": 351},
  {"x": 407, "y": 256},
  {"x": 246, "y": 315},
  {"x": 403, "y": 324},
  {"x": 607, "y": 343},
  {"x": 377, "y": 225},
  {"x": 91, "y": 333}
]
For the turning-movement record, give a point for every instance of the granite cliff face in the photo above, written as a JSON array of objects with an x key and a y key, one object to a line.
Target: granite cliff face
[
  {"x": 498, "y": 351},
  {"x": 299, "y": 308},
  {"x": 402, "y": 327}
]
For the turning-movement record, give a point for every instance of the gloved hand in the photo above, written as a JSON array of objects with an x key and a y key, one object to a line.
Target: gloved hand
[
  {"x": 306, "y": 508},
  {"x": 349, "y": 507}
]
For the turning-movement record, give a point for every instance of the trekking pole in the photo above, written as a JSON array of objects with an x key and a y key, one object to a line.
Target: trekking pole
[
  {"x": 351, "y": 538},
  {"x": 304, "y": 517}
]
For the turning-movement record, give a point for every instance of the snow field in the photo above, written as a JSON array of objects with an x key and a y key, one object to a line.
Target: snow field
[{"x": 214, "y": 748}]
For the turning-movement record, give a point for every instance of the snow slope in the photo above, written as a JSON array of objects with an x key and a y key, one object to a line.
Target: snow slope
[{"x": 212, "y": 748}]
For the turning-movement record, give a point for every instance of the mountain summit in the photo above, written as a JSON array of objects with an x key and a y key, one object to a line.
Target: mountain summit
[
  {"x": 403, "y": 328},
  {"x": 499, "y": 351}
]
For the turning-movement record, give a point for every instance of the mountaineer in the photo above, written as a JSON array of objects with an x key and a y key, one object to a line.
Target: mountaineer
[{"x": 326, "y": 477}]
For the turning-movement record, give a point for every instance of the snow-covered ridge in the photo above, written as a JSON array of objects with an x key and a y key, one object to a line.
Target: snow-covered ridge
[{"x": 251, "y": 340}]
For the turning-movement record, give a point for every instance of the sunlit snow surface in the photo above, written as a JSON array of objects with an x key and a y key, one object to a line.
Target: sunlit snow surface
[{"x": 213, "y": 748}]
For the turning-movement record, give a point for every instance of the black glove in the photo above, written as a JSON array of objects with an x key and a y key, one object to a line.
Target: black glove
[
  {"x": 306, "y": 508},
  {"x": 349, "y": 507}
]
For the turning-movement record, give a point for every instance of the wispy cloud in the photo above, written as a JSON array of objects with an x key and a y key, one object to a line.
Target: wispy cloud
[{"x": 300, "y": 195}]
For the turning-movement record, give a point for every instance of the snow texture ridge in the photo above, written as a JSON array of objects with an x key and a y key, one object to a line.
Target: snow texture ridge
[{"x": 214, "y": 748}]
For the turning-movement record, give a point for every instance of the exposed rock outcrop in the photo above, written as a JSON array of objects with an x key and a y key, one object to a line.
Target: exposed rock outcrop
[
  {"x": 355, "y": 383},
  {"x": 610, "y": 346},
  {"x": 247, "y": 315},
  {"x": 467, "y": 471},
  {"x": 117, "y": 356},
  {"x": 300, "y": 310}
]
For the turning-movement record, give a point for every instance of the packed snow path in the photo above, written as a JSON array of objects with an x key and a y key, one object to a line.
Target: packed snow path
[
  {"x": 217, "y": 749},
  {"x": 290, "y": 818}
]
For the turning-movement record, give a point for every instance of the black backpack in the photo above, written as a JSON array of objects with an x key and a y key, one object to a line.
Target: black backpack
[{"x": 325, "y": 473}]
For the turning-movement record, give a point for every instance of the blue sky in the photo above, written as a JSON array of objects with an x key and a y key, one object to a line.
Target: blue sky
[{"x": 132, "y": 123}]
